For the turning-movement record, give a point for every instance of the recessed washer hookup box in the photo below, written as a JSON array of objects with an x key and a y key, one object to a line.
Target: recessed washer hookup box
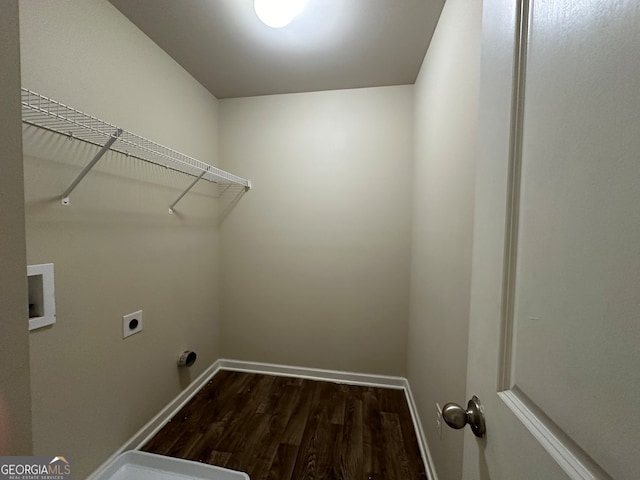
[{"x": 136, "y": 465}]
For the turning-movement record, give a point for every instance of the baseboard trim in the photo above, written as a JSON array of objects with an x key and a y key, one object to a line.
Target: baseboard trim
[
  {"x": 422, "y": 438},
  {"x": 335, "y": 376},
  {"x": 157, "y": 422}
]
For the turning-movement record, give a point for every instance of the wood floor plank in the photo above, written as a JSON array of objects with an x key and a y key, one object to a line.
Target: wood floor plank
[
  {"x": 280, "y": 414},
  {"x": 394, "y": 447},
  {"x": 307, "y": 460},
  {"x": 352, "y": 459},
  {"x": 337, "y": 405},
  {"x": 218, "y": 458},
  {"x": 244, "y": 406},
  {"x": 372, "y": 435},
  {"x": 283, "y": 462},
  {"x": 300, "y": 415},
  {"x": 203, "y": 451},
  {"x": 275, "y": 427}
]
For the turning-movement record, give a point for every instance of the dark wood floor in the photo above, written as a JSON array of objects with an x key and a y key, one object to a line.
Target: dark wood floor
[{"x": 285, "y": 428}]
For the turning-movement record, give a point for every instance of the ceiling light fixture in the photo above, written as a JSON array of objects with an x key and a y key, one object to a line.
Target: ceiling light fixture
[{"x": 278, "y": 13}]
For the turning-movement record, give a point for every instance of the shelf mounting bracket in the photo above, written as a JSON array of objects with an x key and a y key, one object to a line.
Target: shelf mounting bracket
[
  {"x": 188, "y": 188},
  {"x": 90, "y": 165}
]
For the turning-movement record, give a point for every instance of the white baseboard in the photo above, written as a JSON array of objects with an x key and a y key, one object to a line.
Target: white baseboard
[
  {"x": 336, "y": 376},
  {"x": 422, "y": 438},
  {"x": 156, "y": 423}
]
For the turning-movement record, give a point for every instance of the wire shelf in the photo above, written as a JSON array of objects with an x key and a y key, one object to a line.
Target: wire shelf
[{"x": 51, "y": 115}]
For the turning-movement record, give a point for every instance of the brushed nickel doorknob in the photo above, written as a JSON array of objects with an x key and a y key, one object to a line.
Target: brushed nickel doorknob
[{"x": 457, "y": 417}]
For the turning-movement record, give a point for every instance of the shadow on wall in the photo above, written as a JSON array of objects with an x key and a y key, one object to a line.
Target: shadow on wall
[
  {"x": 483, "y": 468},
  {"x": 229, "y": 196},
  {"x": 184, "y": 377}
]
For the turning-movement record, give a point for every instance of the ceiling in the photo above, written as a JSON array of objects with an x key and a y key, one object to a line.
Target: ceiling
[{"x": 332, "y": 44}]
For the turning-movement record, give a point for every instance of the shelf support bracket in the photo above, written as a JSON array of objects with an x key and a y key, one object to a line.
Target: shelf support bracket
[
  {"x": 90, "y": 165},
  {"x": 187, "y": 190}
]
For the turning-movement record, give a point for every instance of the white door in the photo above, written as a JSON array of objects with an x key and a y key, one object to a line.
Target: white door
[{"x": 554, "y": 352}]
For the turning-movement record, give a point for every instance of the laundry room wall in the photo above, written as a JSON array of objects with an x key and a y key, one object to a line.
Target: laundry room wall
[
  {"x": 15, "y": 388},
  {"x": 315, "y": 264},
  {"x": 116, "y": 249},
  {"x": 446, "y": 120}
]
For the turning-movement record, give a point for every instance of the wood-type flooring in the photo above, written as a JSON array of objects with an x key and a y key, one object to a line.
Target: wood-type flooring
[{"x": 281, "y": 428}]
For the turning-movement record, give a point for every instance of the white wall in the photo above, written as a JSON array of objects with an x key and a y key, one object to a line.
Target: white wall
[
  {"x": 116, "y": 249},
  {"x": 15, "y": 397},
  {"x": 445, "y": 134},
  {"x": 315, "y": 262}
]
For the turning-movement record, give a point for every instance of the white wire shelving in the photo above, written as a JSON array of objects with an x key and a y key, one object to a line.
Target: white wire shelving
[{"x": 54, "y": 116}]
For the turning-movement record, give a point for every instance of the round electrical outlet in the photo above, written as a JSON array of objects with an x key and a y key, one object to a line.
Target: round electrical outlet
[{"x": 131, "y": 324}]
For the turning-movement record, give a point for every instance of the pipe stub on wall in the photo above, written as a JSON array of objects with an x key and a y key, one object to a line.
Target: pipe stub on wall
[{"x": 187, "y": 358}]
